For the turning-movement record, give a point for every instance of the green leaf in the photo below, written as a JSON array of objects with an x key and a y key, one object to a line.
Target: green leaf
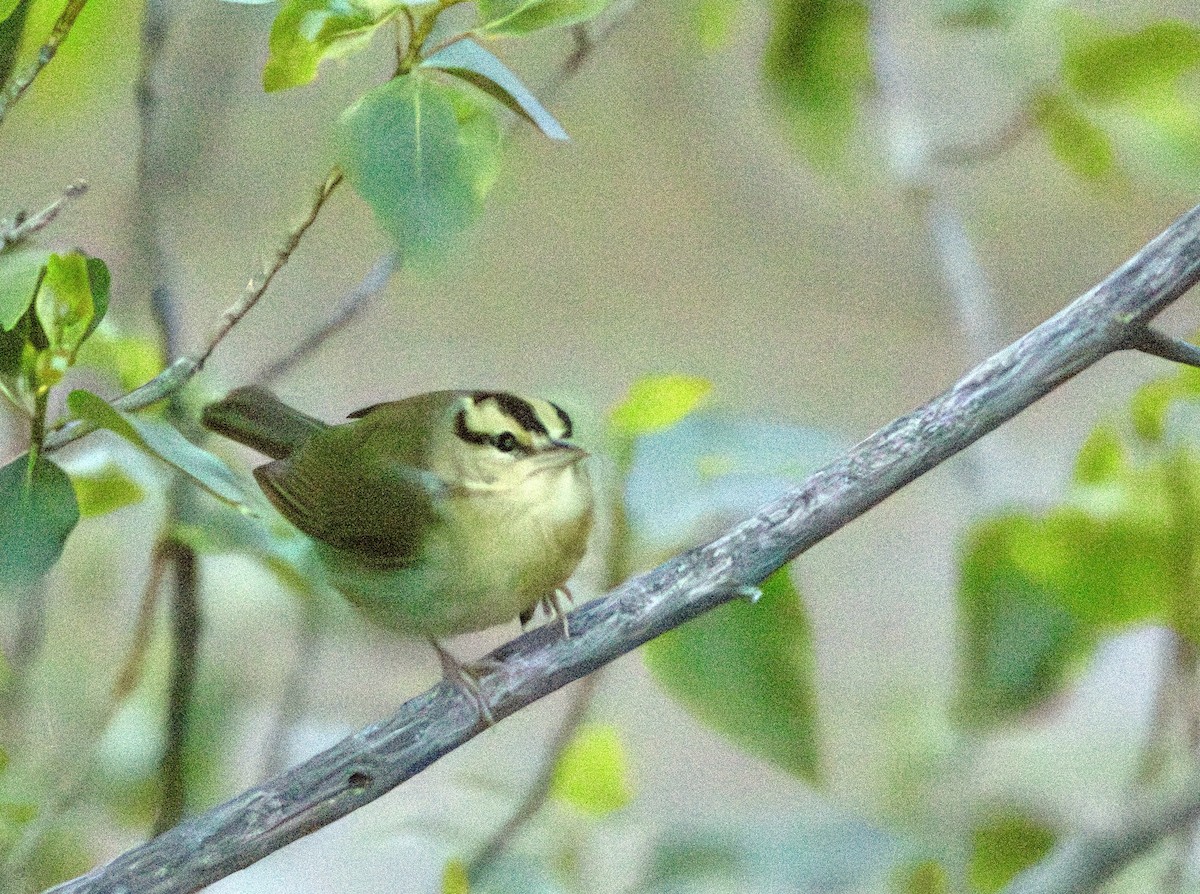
[
  {"x": 105, "y": 489},
  {"x": 816, "y": 64},
  {"x": 101, "y": 284},
  {"x": 516, "y": 18},
  {"x": 979, "y": 13},
  {"x": 1080, "y": 144},
  {"x": 37, "y": 512},
  {"x": 714, "y": 21},
  {"x": 1149, "y": 406},
  {"x": 164, "y": 442},
  {"x": 924, "y": 877},
  {"x": 468, "y": 60},
  {"x": 747, "y": 671},
  {"x": 1003, "y": 846},
  {"x": 658, "y": 402},
  {"x": 1103, "y": 66},
  {"x": 592, "y": 772},
  {"x": 454, "y": 878},
  {"x": 64, "y": 304},
  {"x": 306, "y": 32},
  {"x": 416, "y": 151},
  {"x": 132, "y": 359},
  {"x": 19, "y": 272},
  {"x": 12, "y": 27},
  {"x": 1036, "y": 594},
  {"x": 1101, "y": 458}
]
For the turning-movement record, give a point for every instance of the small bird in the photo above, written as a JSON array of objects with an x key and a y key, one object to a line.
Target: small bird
[{"x": 435, "y": 515}]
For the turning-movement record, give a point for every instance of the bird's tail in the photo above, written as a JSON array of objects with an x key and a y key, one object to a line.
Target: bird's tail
[{"x": 255, "y": 417}]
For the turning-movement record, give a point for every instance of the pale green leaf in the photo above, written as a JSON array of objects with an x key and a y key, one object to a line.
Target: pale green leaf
[
  {"x": 105, "y": 489},
  {"x": 1079, "y": 143},
  {"x": 980, "y": 13},
  {"x": 306, "y": 32},
  {"x": 592, "y": 772},
  {"x": 132, "y": 359},
  {"x": 37, "y": 512},
  {"x": 475, "y": 65},
  {"x": 64, "y": 303},
  {"x": 714, "y": 20},
  {"x": 815, "y": 68},
  {"x": 19, "y": 272},
  {"x": 1105, "y": 66},
  {"x": 454, "y": 878},
  {"x": 1101, "y": 458},
  {"x": 658, "y": 402},
  {"x": 747, "y": 671},
  {"x": 405, "y": 149},
  {"x": 516, "y": 18},
  {"x": 164, "y": 442},
  {"x": 1037, "y": 594},
  {"x": 1002, "y": 846}
]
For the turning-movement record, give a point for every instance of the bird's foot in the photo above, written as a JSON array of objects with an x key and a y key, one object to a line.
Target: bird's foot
[
  {"x": 463, "y": 676},
  {"x": 554, "y": 606}
]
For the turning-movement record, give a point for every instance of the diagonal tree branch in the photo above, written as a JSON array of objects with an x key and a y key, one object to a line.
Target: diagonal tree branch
[
  {"x": 1085, "y": 862},
  {"x": 376, "y": 759}
]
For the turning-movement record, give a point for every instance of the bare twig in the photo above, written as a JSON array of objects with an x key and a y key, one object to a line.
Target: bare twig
[
  {"x": 375, "y": 760},
  {"x": 257, "y": 287},
  {"x": 539, "y": 791},
  {"x": 24, "y": 225},
  {"x": 16, "y": 87}
]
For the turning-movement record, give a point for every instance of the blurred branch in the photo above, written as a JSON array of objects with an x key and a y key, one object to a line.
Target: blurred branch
[
  {"x": 1007, "y": 137},
  {"x": 375, "y": 760},
  {"x": 539, "y": 791},
  {"x": 153, "y": 163},
  {"x": 185, "y": 640},
  {"x": 20, "y": 83},
  {"x": 1085, "y": 862},
  {"x": 354, "y": 301},
  {"x": 24, "y": 225}
]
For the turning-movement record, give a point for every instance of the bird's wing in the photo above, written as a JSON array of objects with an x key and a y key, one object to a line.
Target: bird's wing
[{"x": 357, "y": 487}]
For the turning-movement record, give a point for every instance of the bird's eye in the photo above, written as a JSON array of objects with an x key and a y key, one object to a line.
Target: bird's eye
[{"x": 506, "y": 442}]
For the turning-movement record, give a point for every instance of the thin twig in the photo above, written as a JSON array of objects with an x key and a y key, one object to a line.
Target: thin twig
[
  {"x": 539, "y": 791},
  {"x": 1007, "y": 137},
  {"x": 25, "y": 225},
  {"x": 257, "y": 287},
  {"x": 375, "y": 760},
  {"x": 20, "y": 83}
]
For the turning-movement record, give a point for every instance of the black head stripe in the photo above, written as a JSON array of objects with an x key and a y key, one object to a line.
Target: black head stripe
[
  {"x": 466, "y": 434},
  {"x": 518, "y": 410},
  {"x": 566, "y": 420}
]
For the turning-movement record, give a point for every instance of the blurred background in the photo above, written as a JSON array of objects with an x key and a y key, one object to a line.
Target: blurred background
[{"x": 680, "y": 231}]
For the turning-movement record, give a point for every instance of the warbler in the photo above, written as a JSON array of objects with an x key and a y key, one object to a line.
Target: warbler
[{"x": 435, "y": 515}]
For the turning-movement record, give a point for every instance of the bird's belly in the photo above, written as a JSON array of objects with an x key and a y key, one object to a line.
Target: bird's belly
[{"x": 484, "y": 567}]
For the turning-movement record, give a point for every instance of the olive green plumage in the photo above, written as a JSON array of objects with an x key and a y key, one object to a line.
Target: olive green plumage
[{"x": 438, "y": 514}]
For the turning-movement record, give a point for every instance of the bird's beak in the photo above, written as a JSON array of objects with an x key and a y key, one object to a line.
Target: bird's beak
[{"x": 559, "y": 455}]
